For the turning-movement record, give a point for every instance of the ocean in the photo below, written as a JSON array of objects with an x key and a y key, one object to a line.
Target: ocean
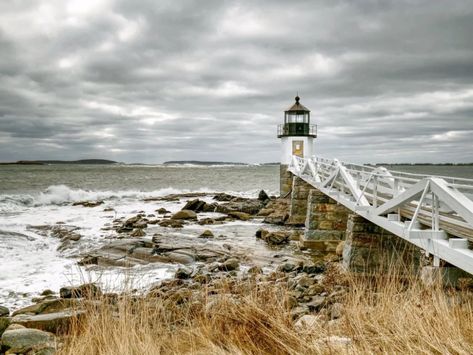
[{"x": 32, "y": 196}]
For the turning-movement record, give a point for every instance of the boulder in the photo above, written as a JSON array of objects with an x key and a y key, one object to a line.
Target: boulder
[
  {"x": 239, "y": 215},
  {"x": 316, "y": 303},
  {"x": 195, "y": 205},
  {"x": 287, "y": 267},
  {"x": 162, "y": 210},
  {"x": 85, "y": 290},
  {"x": 263, "y": 196},
  {"x": 261, "y": 233},
  {"x": 305, "y": 281},
  {"x": 183, "y": 273},
  {"x": 223, "y": 197},
  {"x": 88, "y": 203},
  {"x": 206, "y": 234},
  {"x": 142, "y": 223},
  {"x": 49, "y": 306},
  {"x": 25, "y": 340},
  {"x": 4, "y": 323},
  {"x": 57, "y": 322},
  {"x": 276, "y": 238},
  {"x": 173, "y": 223},
  {"x": 229, "y": 265},
  {"x": 138, "y": 232},
  {"x": 184, "y": 214},
  {"x": 4, "y": 311}
]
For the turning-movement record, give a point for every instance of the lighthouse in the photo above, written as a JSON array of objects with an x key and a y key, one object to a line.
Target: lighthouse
[{"x": 297, "y": 138}]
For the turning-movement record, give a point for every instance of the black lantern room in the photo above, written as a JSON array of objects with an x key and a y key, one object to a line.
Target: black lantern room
[{"x": 297, "y": 122}]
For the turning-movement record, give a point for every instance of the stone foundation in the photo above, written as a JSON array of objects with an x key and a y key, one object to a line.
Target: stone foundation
[
  {"x": 370, "y": 248},
  {"x": 299, "y": 196},
  {"x": 285, "y": 180},
  {"x": 325, "y": 223}
]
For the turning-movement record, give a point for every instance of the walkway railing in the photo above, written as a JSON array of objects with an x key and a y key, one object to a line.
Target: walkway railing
[{"x": 433, "y": 212}]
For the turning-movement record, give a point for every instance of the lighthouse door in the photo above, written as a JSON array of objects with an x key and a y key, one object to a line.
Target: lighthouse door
[{"x": 298, "y": 148}]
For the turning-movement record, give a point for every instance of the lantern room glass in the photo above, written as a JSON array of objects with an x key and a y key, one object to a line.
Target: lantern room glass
[{"x": 297, "y": 117}]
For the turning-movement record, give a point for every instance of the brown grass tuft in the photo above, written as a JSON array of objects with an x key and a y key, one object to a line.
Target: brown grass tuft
[{"x": 382, "y": 314}]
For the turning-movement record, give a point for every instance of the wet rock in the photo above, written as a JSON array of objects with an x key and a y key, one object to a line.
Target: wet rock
[
  {"x": 249, "y": 206},
  {"x": 313, "y": 268},
  {"x": 108, "y": 209},
  {"x": 88, "y": 260},
  {"x": 276, "y": 238},
  {"x": 4, "y": 323},
  {"x": 88, "y": 203},
  {"x": 183, "y": 273},
  {"x": 263, "y": 196},
  {"x": 4, "y": 311},
  {"x": 195, "y": 205},
  {"x": 24, "y": 340},
  {"x": 85, "y": 290},
  {"x": 261, "y": 233},
  {"x": 142, "y": 223},
  {"x": 162, "y": 210},
  {"x": 184, "y": 214},
  {"x": 173, "y": 223},
  {"x": 65, "y": 233},
  {"x": 138, "y": 233},
  {"x": 286, "y": 267},
  {"x": 239, "y": 215},
  {"x": 208, "y": 221},
  {"x": 223, "y": 197},
  {"x": 210, "y": 207},
  {"x": 276, "y": 211},
  {"x": 229, "y": 265},
  {"x": 206, "y": 234}
]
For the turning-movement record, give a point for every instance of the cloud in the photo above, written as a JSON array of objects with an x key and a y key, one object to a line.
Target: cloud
[{"x": 148, "y": 81}]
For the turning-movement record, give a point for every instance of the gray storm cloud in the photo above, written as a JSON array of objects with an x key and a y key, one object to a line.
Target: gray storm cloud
[{"x": 149, "y": 81}]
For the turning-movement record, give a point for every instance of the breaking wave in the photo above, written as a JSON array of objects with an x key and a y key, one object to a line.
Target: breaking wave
[{"x": 62, "y": 195}]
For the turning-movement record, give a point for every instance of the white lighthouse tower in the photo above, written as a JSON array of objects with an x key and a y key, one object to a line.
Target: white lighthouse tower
[{"x": 297, "y": 138}]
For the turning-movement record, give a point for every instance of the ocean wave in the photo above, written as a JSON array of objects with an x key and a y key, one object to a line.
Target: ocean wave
[{"x": 63, "y": 195}]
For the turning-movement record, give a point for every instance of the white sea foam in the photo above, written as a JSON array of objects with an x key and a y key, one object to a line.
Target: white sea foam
[
  {"x": 30, "y": 260},
  {"x": 63, "y": 195}
]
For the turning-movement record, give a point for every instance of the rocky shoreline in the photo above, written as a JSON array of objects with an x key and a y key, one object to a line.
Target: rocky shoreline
[{"x": 204, "y": 262}]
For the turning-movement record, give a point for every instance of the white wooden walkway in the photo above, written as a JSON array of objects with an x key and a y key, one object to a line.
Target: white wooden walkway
[{"x": 433, "y": 212}]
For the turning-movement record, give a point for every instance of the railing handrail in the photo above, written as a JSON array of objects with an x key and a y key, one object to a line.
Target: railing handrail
[{"x": 396, "y": 173}]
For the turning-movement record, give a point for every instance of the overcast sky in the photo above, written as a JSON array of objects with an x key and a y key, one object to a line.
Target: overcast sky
[{"x": 149, "y": 81}]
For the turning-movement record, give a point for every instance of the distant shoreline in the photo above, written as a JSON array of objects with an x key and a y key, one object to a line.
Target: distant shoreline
[
  {"x": 49, "y": 162},
  {"x": 195, "y": 162}
]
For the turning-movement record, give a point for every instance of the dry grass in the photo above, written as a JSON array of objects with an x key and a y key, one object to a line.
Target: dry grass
[{"x": 382, "y": 314}]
